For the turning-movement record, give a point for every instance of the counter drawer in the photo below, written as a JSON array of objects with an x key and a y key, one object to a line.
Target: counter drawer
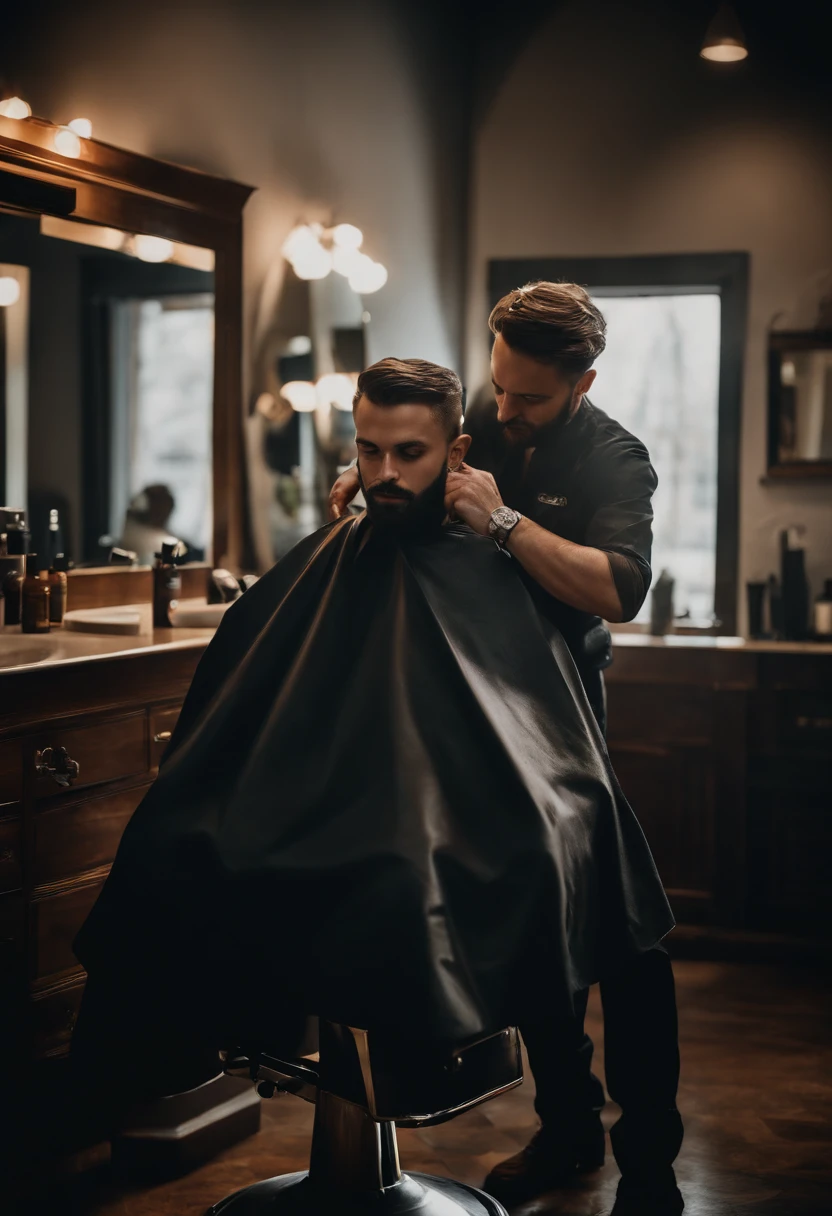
[
  {"x": 11, "y": 877},
  {"x": 11, "y": 772},
  {"x": 162, "y": 724},
  {"x": 54, "y": 920},
  {"x": 54, "y": 1014},
  {"x": 80, "y": 835},
  {"x": 12, "y": 933},
  {"x": 104, "y": 751}
]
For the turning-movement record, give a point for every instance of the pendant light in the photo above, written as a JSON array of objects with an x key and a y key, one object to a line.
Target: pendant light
[{"x": 724, "y": 41}]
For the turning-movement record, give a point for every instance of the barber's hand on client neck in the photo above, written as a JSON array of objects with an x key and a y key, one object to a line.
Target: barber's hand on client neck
[{"x": 343, "y": 492}]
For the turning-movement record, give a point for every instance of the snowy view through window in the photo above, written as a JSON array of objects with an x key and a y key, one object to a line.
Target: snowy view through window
[{"x": 659, "y": 378}]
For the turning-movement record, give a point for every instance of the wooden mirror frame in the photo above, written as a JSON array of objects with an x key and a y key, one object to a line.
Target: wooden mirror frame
[
  {"x": 118, "y": 189},
  {"x": 780, "y": 340}
]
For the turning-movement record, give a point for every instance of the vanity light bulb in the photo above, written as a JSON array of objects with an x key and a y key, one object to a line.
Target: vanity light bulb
[
  {"x": 82, "y": 127},
  {"x": 299, "y": 241},
  {"x": 347, "y": 261},
  {"x": 368, "y": 278},
  {"x": 152, "y": 248},
  {"x": 335, "y": 389},
  {"x": 67, "y": 143},
  {"x": 301, "y": 395},
  {"x": 15, "y": 107},
  {"x": 347, "y": 236},
  {"x": 9, "y": 291},
  {"x": 313, "y": 263}
]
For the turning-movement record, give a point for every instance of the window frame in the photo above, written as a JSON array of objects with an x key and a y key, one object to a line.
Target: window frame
[{"x": 670, "y": 274}]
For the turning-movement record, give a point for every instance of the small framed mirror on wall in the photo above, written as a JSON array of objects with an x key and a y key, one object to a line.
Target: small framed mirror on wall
[
  {"x": 800, "y": 405},
  {"x": 120, "y": 350}
]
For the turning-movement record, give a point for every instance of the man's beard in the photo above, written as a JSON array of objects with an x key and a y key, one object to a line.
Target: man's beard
[{"x": 412, "y": 514}]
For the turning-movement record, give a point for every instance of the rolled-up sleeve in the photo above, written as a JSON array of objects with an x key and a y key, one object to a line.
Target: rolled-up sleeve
[{"x": 622, "y": 523}]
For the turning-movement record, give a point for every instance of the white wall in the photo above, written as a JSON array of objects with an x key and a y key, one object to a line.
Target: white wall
[{"x": 610, "y": 136}]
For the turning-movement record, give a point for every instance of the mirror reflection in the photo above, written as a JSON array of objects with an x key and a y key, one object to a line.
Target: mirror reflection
[
  {"x": 805, "y": 398},
  {"x": 309, "y": 364},
  {"x": 107, "y": 343}
]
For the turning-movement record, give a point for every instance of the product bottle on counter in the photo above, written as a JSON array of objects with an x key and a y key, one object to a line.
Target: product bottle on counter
[
  {"x": 823, "y": 613},
  {"x": 34, "y": 616},
  {"x": 54, "y": 544},
  {"x": 661, "y": 605},
  {"x": 14, "y": 565},
  {"x": 167, "y": 581},
  {"x": 57, "y": 589},
  {"x": 795, "y": 586}
]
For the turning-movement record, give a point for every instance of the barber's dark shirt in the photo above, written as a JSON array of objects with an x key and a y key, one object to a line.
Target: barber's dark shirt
[{"x": 591, "y": 482}]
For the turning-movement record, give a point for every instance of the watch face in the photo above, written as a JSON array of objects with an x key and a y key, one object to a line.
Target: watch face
[{"x": 504, "y": 517}]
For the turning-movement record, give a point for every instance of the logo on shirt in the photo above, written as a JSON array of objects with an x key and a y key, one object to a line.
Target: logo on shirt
[{"x": 552, "y": 500}]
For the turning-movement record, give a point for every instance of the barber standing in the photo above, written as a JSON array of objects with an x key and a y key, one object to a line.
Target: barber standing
[{"x": 567, "y": 492}]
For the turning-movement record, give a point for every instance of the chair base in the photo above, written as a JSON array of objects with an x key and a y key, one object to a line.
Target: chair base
[{"x": 415, "y": 1195}]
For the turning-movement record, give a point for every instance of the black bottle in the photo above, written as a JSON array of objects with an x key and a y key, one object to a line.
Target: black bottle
[
  {"x": 167, "y": 581},
  {"x": 14, "y": 564},
  {"x": 795, "y": 588}
]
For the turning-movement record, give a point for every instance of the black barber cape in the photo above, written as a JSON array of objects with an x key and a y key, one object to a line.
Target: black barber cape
[{"x": 386, "y": 802}]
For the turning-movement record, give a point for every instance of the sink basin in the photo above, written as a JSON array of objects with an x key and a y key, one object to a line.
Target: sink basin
[
  {"x": 16, "y": 649},
  {"x": 21, "y": 649}
]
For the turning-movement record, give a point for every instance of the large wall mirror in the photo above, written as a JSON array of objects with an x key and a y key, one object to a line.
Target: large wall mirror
[
  {"x": 120, "y": 334},
  {"x": 800, "y": 404},
  {"x": 306, "y": 370}
]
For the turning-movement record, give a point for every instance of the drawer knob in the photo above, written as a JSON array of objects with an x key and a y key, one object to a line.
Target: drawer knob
[
  {"x": 55, "y": 762},
  {"x": 164, "y": 736}
]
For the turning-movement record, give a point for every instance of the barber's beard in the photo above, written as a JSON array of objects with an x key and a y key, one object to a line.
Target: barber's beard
[{"x": 413, "y": 515}]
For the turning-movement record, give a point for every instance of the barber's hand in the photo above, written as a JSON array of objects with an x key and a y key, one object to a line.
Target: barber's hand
[
  {"x": 472, "y": 495},
  {"x": 343, "y": 492}
]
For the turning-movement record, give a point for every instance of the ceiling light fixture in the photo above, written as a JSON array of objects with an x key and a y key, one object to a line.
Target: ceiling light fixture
[{"x": 724, "y": 40}]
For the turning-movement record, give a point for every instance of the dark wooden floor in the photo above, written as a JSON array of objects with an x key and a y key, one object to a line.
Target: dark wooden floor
[{"x": 756, "y": 1098}]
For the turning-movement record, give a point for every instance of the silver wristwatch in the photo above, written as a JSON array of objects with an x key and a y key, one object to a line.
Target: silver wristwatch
[{"x": 501, "y": 523}]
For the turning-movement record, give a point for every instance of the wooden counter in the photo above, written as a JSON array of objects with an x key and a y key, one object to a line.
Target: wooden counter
[{"x": 724, "y": 749}]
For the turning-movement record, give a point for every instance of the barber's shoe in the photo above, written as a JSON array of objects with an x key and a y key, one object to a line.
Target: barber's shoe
[
  {"x": 547, "y": 1162},
  {"x": 642, "y": 1199}
]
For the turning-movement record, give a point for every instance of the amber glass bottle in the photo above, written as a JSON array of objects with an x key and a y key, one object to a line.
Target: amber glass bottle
[
  {"x": 57, "y": 589},
  {"x": 35, "y": 607}
]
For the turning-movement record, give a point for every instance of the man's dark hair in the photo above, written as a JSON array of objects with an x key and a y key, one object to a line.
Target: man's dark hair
[
  {"x": 553, "y": 323},
  {"x": 414, "y": 381}
]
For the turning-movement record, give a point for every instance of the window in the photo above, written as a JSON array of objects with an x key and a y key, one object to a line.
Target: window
[
  {"x": 659, "y": 377},
  {"x": 672, "y": 375}
]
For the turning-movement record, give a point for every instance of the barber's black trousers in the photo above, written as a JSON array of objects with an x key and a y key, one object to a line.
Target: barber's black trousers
[{"x": 641, "y": 1052}]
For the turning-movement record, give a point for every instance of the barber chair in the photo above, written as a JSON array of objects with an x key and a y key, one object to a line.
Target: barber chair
[{"x": 364, "y": 1085}]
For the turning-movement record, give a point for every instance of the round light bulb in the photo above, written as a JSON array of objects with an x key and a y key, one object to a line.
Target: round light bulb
[
  {"x": 82, "y": 127},
  {"x": 347, "y": 261},
  {"x": 299, "y": 241},
  {"x": 9, "y": 291},
  {"x": 347, "y": 236},
  {"x": 67, "y": 143},
  {"x": 335, "y": 389},
  {"x": 313, "y": 263},
  {"x": 15, "y": 107},
  {"x": 368, "y": 278},
  {"x": 301, "y": 395},
  {"x": 152, "y": 248}
]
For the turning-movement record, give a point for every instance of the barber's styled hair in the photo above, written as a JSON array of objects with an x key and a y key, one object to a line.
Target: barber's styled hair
[
  {"x": 553, "y": 323},
  {"x": 414, "y": 381}
]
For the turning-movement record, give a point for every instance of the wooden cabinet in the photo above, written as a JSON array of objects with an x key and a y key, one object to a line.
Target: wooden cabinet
[
  {"x": 726, "y": 758},
  {"x": 80, "y": 744}
]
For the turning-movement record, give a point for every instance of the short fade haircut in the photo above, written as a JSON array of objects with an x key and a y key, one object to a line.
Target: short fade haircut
[
  {"x": 553, "y": 323},
  {"x": 414, "y": 382}
]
